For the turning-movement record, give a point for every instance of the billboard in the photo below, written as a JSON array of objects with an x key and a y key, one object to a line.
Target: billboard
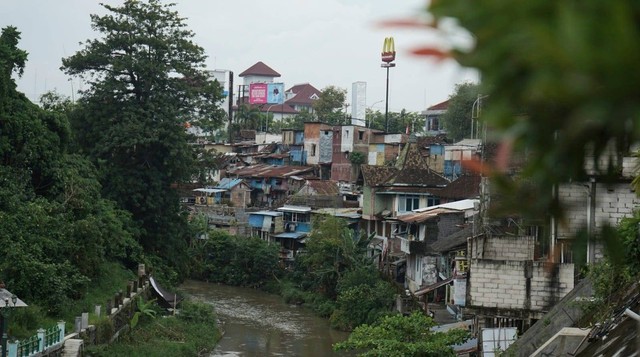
[
  {"x": 275, "y": 93},
  {"x": 266, "y": 93},
  {"x": 257, "y": 93}
]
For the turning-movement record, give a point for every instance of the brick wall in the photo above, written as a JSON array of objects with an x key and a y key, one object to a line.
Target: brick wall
[
  {"x": 549, "y": 284},
  {"x": 518, "y": 285},
  {"x": 612, "y": 203},
  {"x": 519, "y": 248}
]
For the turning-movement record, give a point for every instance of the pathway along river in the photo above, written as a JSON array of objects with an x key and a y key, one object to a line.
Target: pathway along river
[{"x": 260, "y": 324}]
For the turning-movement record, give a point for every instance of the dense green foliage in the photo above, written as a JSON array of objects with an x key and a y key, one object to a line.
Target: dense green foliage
[
  {"x": 146, "y": 79},
  {"x": 191, "y": 333},
  {"x": 457, "y": 118},
  {"x": 402, "y": 336},
  {"x": 57, "y": 230},
  {"x": 232, "y": 260},
  {"x": 613, "y": 274},
  {"x": 399, "y": 122},
  {"x": 561, "y": 88},
  {"x": 363, "y": 297},
  {"x": 329, "y": 108},
  {"x": 333, "y": 273}
]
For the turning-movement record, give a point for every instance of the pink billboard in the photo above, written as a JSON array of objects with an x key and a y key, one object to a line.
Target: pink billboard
[{"x": 257, "y": 93}]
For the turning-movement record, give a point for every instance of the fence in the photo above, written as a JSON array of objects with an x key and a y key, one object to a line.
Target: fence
[{"x": 44, "y": 340}]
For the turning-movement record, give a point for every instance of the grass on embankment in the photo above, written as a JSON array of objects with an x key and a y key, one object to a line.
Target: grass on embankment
[
  {"x": 25, "y": 322},
  {"x": 192, "y": 332}
]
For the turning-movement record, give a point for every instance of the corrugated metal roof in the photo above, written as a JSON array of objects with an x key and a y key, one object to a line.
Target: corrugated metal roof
[
  {"x": 291, "y": 235},
  {"x": 289, "y": 208},
  {"x": 263, "y": 170},
  {"x": 267, "y": 213},
  {"x": 210, "y": 190},
  {"x": 461, "y": 205},
  {"x": 340, "y": 212},
  {"x": 424, "y": 216},
  {"x": 228, "y": 183}
]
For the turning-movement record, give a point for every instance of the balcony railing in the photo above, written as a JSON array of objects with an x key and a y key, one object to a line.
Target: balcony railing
[{"x": 409, "y": 245}]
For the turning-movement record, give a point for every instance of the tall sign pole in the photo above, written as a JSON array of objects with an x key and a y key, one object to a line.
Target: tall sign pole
[{"x": 388, "y": 56}]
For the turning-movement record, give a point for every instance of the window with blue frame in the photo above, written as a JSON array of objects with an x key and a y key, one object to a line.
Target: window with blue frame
[{"x": 433, "y": 201}]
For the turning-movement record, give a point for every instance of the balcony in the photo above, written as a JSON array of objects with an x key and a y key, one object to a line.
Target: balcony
[{"x": 411, "y": 246}]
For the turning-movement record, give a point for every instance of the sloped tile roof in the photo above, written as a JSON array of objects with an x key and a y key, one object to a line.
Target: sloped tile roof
[
  {"x": 303, "y": 94},
  {"x": 466, "y": 186},
  {"x": 410, "y": 158},
  {"x": 439, "y": 139},
  {"x": 377, "y": 175},
  {"x": 413, "y": 169},
  {"x": 419, "y": 177},
  {"x": 324, "y": 187},
  {"x": 259, "y": 69},
  {"x": 440, "y": 106}
]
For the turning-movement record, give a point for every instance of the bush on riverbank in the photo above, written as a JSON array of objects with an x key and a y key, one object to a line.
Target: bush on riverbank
[
  {"x": 232, "y": 260},
  {"x": 192, "y": 332}
]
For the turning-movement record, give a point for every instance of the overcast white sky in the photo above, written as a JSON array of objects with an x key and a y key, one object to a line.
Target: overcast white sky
[{"x": 321, "y": 42}]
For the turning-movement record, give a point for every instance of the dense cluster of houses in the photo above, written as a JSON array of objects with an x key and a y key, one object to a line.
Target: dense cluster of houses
[{"x": 426, "y": 214}]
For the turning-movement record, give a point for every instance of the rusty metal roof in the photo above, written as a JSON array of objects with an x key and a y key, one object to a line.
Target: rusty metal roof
[{"x": 263, "y": 170}]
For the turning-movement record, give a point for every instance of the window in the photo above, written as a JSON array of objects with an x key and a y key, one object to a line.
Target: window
[
  {"x": 409, "y": 203},
  {"x": 433, "y": 201},
  {"x": 313, "y": 149},
  {"x": 296, "y": 217},
  {"x": 360, "y": 135}
]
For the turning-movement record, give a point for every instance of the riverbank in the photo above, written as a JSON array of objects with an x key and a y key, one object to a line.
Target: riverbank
[{"x": 191, "y": 332}]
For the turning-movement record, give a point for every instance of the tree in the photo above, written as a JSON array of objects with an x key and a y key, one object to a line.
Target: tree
[
  {"x": 328, "y": 107},
  {"x": 298, "y": 120},
  {"x": 57, "y": 231},
  {"x": 146, "y": 79},
  {"x": 561, "y": 90},
  {"x": 457, "y": 118},
  {"x": 363, "y": 297},
  {"x": 331, "y": 250},
  {"x": 403, "y": 336}
]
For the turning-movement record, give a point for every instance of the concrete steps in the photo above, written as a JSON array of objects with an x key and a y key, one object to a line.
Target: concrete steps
[{"x": 72, "y": 348}]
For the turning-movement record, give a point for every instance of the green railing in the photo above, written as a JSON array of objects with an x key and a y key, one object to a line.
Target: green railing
[{"x": 40, "y": 342}]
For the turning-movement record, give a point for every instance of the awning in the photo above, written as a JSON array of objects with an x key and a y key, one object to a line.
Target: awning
[
  {"x": 432, "y": 287},
  {"x": 291, "y": 235}
]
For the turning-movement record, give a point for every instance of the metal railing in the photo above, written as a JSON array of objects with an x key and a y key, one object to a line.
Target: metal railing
[{"x": 38, "y": 343}]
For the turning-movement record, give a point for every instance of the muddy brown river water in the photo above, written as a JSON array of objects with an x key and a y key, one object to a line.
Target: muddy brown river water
[{"x": 260, "y": 324}]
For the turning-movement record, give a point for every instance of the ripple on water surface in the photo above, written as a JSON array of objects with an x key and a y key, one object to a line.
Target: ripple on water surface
[{"x": 260, "y": 324}]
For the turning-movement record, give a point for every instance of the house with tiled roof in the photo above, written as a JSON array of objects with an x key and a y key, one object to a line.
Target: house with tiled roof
[
  {"x": 390, "y": 191},
  {"x": 271, "y": 184},
  {"x": 433, "y": 118},
  {"x": 317, "y": 194},
  {"x": 464, "y": 187},
  {"x": 301, "y": 97}
]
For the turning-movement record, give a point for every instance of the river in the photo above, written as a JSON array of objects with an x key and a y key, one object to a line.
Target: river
[{"x": 260, "y": 324}]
